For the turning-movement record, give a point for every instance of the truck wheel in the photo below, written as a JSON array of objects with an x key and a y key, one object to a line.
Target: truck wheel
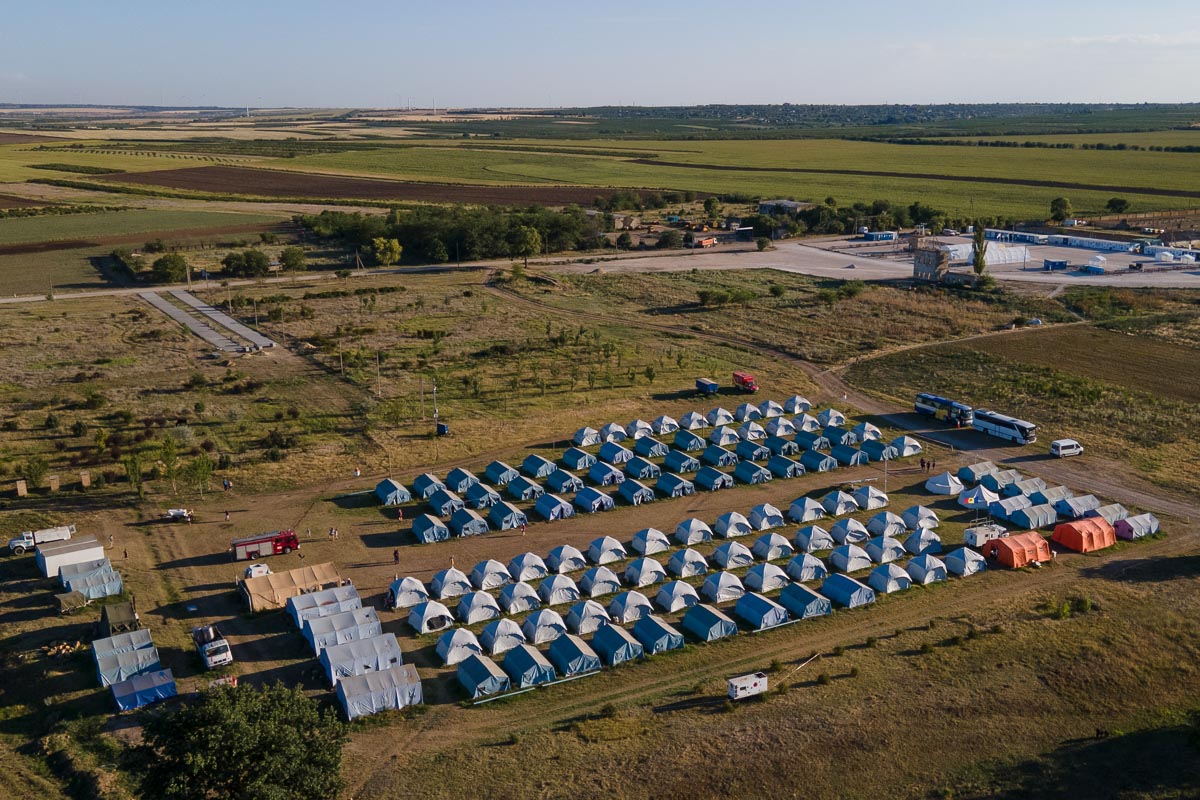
[
  {"x": 287, "y": 551},
  {"x": 19, "y": 550}
]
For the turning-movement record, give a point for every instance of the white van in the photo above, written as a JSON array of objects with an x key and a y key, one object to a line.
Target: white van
[{"x": 1061, "y": 448}]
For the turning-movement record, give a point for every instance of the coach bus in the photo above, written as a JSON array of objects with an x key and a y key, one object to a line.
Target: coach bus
[
  {"x": 946, "y": 410},
  {"x": 1004, "y": 426}
]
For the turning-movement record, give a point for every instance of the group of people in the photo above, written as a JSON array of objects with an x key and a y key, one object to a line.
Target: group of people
[{"x": 928, "y": 466}]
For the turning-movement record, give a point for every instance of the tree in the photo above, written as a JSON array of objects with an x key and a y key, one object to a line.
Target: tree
[
  {"x": 35, "y": 470},
  {"x": 762, "y": 242},
  {"x": 257, "y": 263},
  {"x": 526, "y": 242},
  {"x": 1117, "y": 205},
  {"x": 171, "y": 268},
  {"x": 625, "y": 241},
  {"x": 133, "y": 471},
  {"x": 979, "y": 248},
  {"x": 387, "y": 251},
  {"x": 235, "y": 264},
  {"x": 1060, "y": 209},
  {"x": 168, "y": 456},
  {"x": 712, "y": 207},
  {"x": 669, "y": 239},
  {"x": 199, "y": 471},
  {"x": 239, "y": 743},
  {"x": 292, "y": 258}
]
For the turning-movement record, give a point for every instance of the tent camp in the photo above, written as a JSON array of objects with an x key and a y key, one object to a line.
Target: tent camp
[
  {"x": 604, "y": 474},
  {"x": 429, "y": 529},
  {"x": 771, "y": 547},
  {"x": 460, "y": 479},
  {"x": 1019, "y": 549},
  {"x": 751, "y": 432},
  {"x": 392, "y": 493},
  {"x": 920, "y": 517},
  {"x": 779, "y": 428},
  {"x": 963, "y": 562},
  {"x": 848, "y": 456},
  {"x": 551, "y": 507},
  {"x": 425, "y": 484},
  {"x": 663, "y": 425},
  {"x": 490, "y": 574},
  {"x": 849, "y": 558},
  {"x": 635, "y": 493},
  {"x": 721, "y": 587},
  {"x": 528, "y": 667},
  {"x": 599, "y": 581},
  {"x": 629, "y": 607},
  {"x": 885, "y": 523},
  {"x": 456, "y": 644},
  {"x": 974, "y": 472},
  {"x": 481, "y": 496},
  {"x": 644, "y": 572},
  {"x": 404, "y": 593},
  {"x": 543, "y": 626},
  {"x": 751, "y": 451},
  {"x": 360, "y": 657},
  {"x": 866, "y": 432},
  {"x": 759, "y": 613},
  {"x": 1136, "y": 527},
  {"x": 805, "y": 509},
  {"x": 847, "y": 592},
  {"x": 746, "y": 411},
  {"x": 557, "y": 590},
  {"x": 1085, "y": 535},
  {"x": 688, "y": 441},
  {"x": 888, "y": 578},
  {"x": 586, "y": 437},
  {"x": 811, "y": 538},
  {"x": 642, "y": 469},
  {"x": 944, "y": 484},
  {"x": 347, "y": 626},
  {"x": 674, "y": 485},
  {"x": 527, "y": 567},
  {"x": 687, "y": 563},
  {"x": 575, "y": 458},
  {"x": 614, "y": 453},
  {"x": 501, "y": 635},
  {"x": 812, "y": 461},
  {"x": 1024, "y": 488},
  {"x": 611, "y": 432},
  {"x": 718, "y": 416},
  {"x": 765, "y": 578},
  {"x": 586, "y": 617},
  {"x": 649, "y": 447},
  {"x": 733, "y": 555},
  {"x": 926, "y": 569},
  {"x": 676, "y": 595},
  {"x": 523, "y": 489},
  {"x": 707, "y": 623},
  {"x": 806, "y": 567},
  {"x": 830, "y": 417},
  {"x": 386, "y": 690},
  {"x": 656, "y": 635},
  {"x": 573, "y": 656},
  {"x": 480, "y": 676},
  {"x": 499, "y": 473},
  {"x": 693, "y": 420},
  {"x": 803, "y": 603},
  {"x": 324, "y": 603},
  {"x": 605, "y": 550},
  {"x": 869, "y": 498},
  {"x": 449, "y": 583},
  {"x": 719, "y": 456},
  {"x": 564, "y": 482},
  {"x": 1000, "y": 479},
  {"x": 812, "y": 440},
  {"x": 144, "y": 689},
  {"x": 977, "y": 497},
  {"x": 638, "y": 429},
  {"x": 923, "y": 541},
  {"x": 518, "y": 597},
  {"x": 478, "y": 606},
  {"x": 883, "y": 549},
  {"x": 615, "y": 645},
  {"x": 565, "y": 558},
  {"x": 784, "y": 467},
  {"x": 906, "y": 446},
  {"x": 96, "y": 584},
  {"x": 1034, "y": 517},
  {"x": 272, "y": 591},
  {"x": 839, "y": 436},
  {"x": 466, "y": 522},
  {"x": 1005, "y": 507},
  {"x": 693, "y": 531},
  {"x": 649, "y": 541},
  {"x": 679, "y": 461},
  {"x": 804, "y": 422},
  {"x": 838, "y": 502},
  {"x": 1076, "y": 507},
  {"x": 505, "y": 516},
  {"x": 121, "y": 666},
  {"x": 878, "y": 450},
  {"x": 537, "y": 467},
  {"x": 796, "y": 404},
  {"x": 849, "y": 531},
  {"x": 723, "y": 437},
  {"x": 750, "y": 473},
  {"x": 590, "y": 500},
  {"x": 711, "y": 479},
  {"x": 731, "y": 524}
]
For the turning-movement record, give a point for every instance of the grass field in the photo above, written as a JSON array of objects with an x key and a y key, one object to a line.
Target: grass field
[
  {"x": 15, "y": 160},
  {"x": 109, "y": 224}
]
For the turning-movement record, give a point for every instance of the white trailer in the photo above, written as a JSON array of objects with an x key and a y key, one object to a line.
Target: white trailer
[
  {"x": 747, "y": 685},
  {"x": 52, "y": 557},
  {"x": 980, "y": 535},
  {"x": 31, "y": 539}
]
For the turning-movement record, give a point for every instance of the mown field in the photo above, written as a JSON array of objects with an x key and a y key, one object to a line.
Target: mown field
[
  {"x": 16, "y": 160},
  {"x": 154, "y": 223}
]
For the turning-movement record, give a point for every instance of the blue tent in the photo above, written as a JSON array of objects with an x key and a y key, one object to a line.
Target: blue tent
[
  {"x": 812, "y": 461},
  {"x": 425, "y": 484},
  {"x": 679, "y": 461},
  {"x": 845, "y": 591},
  {"x": 459, "y": 480},
  {"x": 752, "y": 451},
  {"x": 841, "y": 436},
  {"x": 713, "y": 479},
  {"x": 879, "y": 450},
  {"x": 105, "y": 582},
  {"x": 974, "y": 473},
  {"x": 142, "y": 690},
  {"x": 480, "y": 676},
  {"x": 563, "y": 482},
  {"x": 656, "y": 635},
  {"x": 1025, "y": 487},
  {"x": 528, "y": 667},
  {"x": 605, "y": 474},
  {"x": 521, "y": 488},
  {"x": 749, "y": 472},
  {"x": 784, "y": 467},
  {"x": 615, "y": 645},
  {"x": 466, "y": 522},
  {"x": 803, "y": 602},
  {"x": 578, "y": 459},
  {"x": 847, "y": 456},
  {"x": 614, "y": 453},
  {"x": 500, "y": 473},
  {"x": 429, "y": 529},
  {"x": 781, "y": 446},
  {"x": 719, "y": 456},
  {"x": 592, "y": 500},
  {"x": 536, "y": 466},
  {"x": 1034, "y": 517},
  {"x": 506, "y": 516},
  {"x": 674, "y": 485},
  {"x": 760, "y": 613},
  {"x": 707, "y": 623},
  {"x": 573, "y": 656},
  {"x": 444, "y": 502},
  {"x": 688, "y": 441},
  {"x": 481, "y": 496},
  {"x": 650, "y": 448},
  {"x": 641, "y": 468},
  {"x": 552, "y": 507},
  {"x": 392, "y": 493},
  {"x": 811, "y": 441},
  {"x": 635, "y": 493},
  {"x": 117, "y": 667},
  {"x": 516, "y": 598}
]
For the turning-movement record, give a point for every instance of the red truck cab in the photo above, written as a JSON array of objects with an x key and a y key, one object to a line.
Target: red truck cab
[
  {"x": 265, "y": 544},
  {"x": 745, "y": 381}
]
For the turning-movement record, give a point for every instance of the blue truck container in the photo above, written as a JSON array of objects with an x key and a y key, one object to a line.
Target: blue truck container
[{"x": 707, "y": 386}]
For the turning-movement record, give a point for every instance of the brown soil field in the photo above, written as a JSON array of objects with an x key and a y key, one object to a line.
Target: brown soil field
[
  {"x": 24, "y": 138},
  {"x": 273, "y": 183},
  {"x": 132, "y": 238},
  {"x": 8, "y": 201}
]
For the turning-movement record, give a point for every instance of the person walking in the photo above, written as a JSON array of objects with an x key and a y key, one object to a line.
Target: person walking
[
  {"x": 227, "y": 516},
  {"x": 125, "y": 553},
  {"x": 396, "y": 556},
  {"x": 110, "y": 540},
  {"x": 523, "y": 526},
  {"x": 922, "y": 465}
]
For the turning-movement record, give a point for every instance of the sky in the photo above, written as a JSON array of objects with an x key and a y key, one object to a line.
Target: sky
[{"x": 536, "y": 53}]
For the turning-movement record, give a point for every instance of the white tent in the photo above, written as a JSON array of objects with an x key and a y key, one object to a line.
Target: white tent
[
  {"x": 885, "y": 523},
  {"x": 746, "y": 411},
  {"x": 429, "y": 617},
  {"x": 731, "y": 524},
  {"x": 644, "y": 572},
  {"x": 693, "y": 531},
  {"x": 477, "y": 607},
  {"x": 923, "y": 541},
  {"x": 449, "y": 583},
  {"x": 888, "y": 578},
  {"x": 629, "y": 607},
  {"x": 692, "y": 421},
  {"x": 906, "y": 446},
  {"x": 770, "y": 409},
  {"x": 527, "y": 567},
  {"x": 964, "y": 562},
  {"x": 838, "y": 502},
  {"x": 796, "y": 405},
  {"x": 500, "y": 636},
  {"x": 977, "y": 497},
  {"x": 387, "y": 690},
  {"x": 687, "y": 563},
  {"x": 324, "y": 603},
  {"x": 348, "y": 626},
  {"x": 733, "y": 555},
  {"x": 558, "y": 590},
  {"x": 721, "y": 587},
  {"x": 718, "y": 416},
  {"x": 599, "y": 581},
  {"x": 805, "y": 509},
  {"x": 518, "y": 597},
  {"x": 565, "y": 558},
  {"x": 805, "y": 567},
  {"x": 586, "y": 616},
  {"x": 605, "y": 550},
  {"x": 869, "y": 498},
  {"x": 765, "y": 578},
  {"x": 675, "y": 596},
  {"x": 457, "y": 644},
  {"x": 849, "y": 558},
  {"x": 765, "y": 516},
  {"x": 866, "y": 432},
  {"x": 649, "y": 541},
  {"x": 945, "y": 484},
  {"x": 849, "y": 531},
  {"x": 490, "y": 574},
  {"x": 883, "y": 549},
  {"x": 920, "y": 517},
  {"x": 830, "y": 417},
  {"x": 361, "y": 656},
  {"x": 925, "y": 569},
  {"x": 771, "y": 547},
  {"x": 813, "y": 537},
  {"x": 543, "y": 626}
]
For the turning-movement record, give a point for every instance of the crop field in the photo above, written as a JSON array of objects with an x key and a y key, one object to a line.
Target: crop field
[
  {"x": 106, "y": 225},
  {"x": 17, "y": 160}
]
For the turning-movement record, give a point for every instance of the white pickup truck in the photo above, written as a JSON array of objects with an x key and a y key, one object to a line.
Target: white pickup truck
[
  {"x": 211, "y": 646},
  {"x": 31, "y": 539}
]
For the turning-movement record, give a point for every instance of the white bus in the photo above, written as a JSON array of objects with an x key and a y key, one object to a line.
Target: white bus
[
  {"x": 931, "y": 405},
  {"x": 1004, "y": 427}
]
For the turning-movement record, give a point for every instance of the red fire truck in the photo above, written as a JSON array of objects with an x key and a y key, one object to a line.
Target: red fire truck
[
  {"x": 263, "y": 545},
  {"x": 745, "y": 381}
]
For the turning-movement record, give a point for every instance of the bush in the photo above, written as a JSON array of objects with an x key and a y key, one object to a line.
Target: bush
[
  {"x": 823, "y": 679},
  {"x": 1080, "y": 605},
  {"x": 274, "y": 454},
  {"x": 224, "y": 461},
  {"x": 776, "y": 665},
  {"x": 854, "y": 672},
  {"x": 762, "y": 242},
  {"x": 872, "y": 641},
  {"x": 839, "y": 650},
  {"x": 776, "y": 290},
  {"x": 926, "y": 649}
]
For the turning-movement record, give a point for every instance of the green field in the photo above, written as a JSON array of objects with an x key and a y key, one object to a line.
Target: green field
[
  {"x": 15, "y": 160},
  {"x": 103, "y": 225}
]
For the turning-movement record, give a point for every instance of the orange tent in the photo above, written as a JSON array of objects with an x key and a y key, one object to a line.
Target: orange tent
[
  {"x": 1085, "y": 535},
  {"x": 1018, "y": 550}
]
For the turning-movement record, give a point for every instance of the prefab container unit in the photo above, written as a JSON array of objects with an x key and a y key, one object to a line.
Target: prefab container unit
[
  {"x": 880, "y": 236},
  {"x": 53, "y": 556}
]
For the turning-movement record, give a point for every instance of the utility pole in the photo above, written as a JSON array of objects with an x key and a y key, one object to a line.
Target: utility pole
[
  {"x": 378, "y": 377},
  {"x": 421, "y": 389}
]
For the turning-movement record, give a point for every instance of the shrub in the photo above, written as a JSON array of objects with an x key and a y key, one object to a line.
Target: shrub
[
  {"x": 926, "y": 649},
  {"x": 1080, "y": 605},
  {"x": 274, "y": 454},
  {"x": 854, "y": 672},
  {"x": 872, "y": 641},
  {"x": 776, "y": 665},
  {"x": 776, "y": 290},
  {"x": 224, "y": 461},
  {"x": 837, "y": 651},
  {"x": 823, "y": 679}
]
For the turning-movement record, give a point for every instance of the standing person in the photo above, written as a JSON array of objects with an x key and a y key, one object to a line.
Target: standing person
[
  {"x": 357, "y": 472},
  {"x": 400, "y": 514},
  {"x": 227, "y": 516},
  {"x": 396, "y": 556},
  {"x": 110, "y": 538},
  {"x": 932, "y": 466},
  {"x": 125, "y": 553},
  {"x": 523, "y": 526},
  {"x": 922, "y": 465}
]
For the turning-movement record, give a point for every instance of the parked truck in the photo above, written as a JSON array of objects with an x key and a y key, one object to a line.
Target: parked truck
[
  {"x": 264, "y": 544},
  {"x": 707, "y": 386},
  {"x": 211, "y": 646},
  {"x": 745, "y": 381},
  {"x": 31, "y": 539}
]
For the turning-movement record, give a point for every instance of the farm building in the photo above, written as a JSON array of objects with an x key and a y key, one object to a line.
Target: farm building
[
  {"x": 780, "y": 427},
  {"x": 847, "y": 456},
  {"x": 796, "y": 405},
  {"x": 586, "y": 617},
  {"x": 1000, "y": 480},
  {"x": 481, "y": 496},
  {"x": 693, "y": 531},
  {"x": 805, "y": 509},
  {"x": 923, "y": 541},
  {"x": 812, "y": 441},
  {"x": 885, "y": 523},
  {"x": 552, "y": 507},
  {"x": 839, "y": 436},
  {"x": 443, "y": 502},
  {"x": 1034, "y": 517},
  {"x": 612, "y": 433},
  {"x": 849, "y": 558},
  {"x": 759, "y": 613},
  {"x": 563, "y": 482},
  {"x": 348, "y": 626},
  {"x": 974, "y": 473},
  {"x": 649, "y": 541},
  {"x": 847, "y": 592},
  {"x": 518, "y": 597},
  {"x": 506, "y": 516},
  {"x": 635, "y": 493},
  {"x": 1005, "y": 508},
  {"x": 1085, "y": 535},
  {"x": 605, "y": 550},
  {"x": 926, "y": 569},
  {"x": 977, "y": 497},
  {"x": 888, "y": 578},
  {"x": 676, "y": 595},
  {"x": 806, "y": 567},
  {"x": 528, "y": 667},
  {"x": 586, "y": 437},
  {"x": 783, "y": 467},
  {"x": 272, "y": 591},
  {"x": 720, "y": 587},
  {"x": 599, "y": 581},
  {"x": 637, "y": 429},
  {"x": 405, "y": 593},
  {"x": 644, "y": 572},
  {"x": 751, "y": 451},
  {"x": 449, "y": 583},
  {"x": 805, "y": 423},
  {"x": 523, "y": 489},
  {"x": 615, "y": 645},
  {"x": 656, "y": 635},
  {"x": 692, "y": 421},
  {"x": 751, "y": 431},
  {"x": 781, "y": 446},
  {"x": 557, "y": 590},
  {"x": 457, "y": 644},
  {"x": 543, "y": 626},
  {"x": 629, "y": 607},
  {"x": 687, "y": 563},
  {"x": 731, "y": 524},
  {"x": 144, "y": 689},
  {"x": 1136, "y": 527},
  {"x": 392, "y": 493},
  {"x": 591, "y": 500},
  {"x": 920, "y": 517},
  {"x": 723, "y": 437},
  {"x": 459, "y": 480},
  {"x": 480, "y": 676},
  {"x": 688, "y": 441},
  {"x": 1018, "y": 550},
  {"x": 614, "y": 453},
  {"x": 831, "y": 418},
  {"x": 477, "y": 607},
  {"x": 765, "y": 578},
  {"x": 662, "y": 425},
  {"x": 1050, "y": 495},
  {"x": 944, "y": 484},
  {"x": 642, "y": 469},
  {"x": 425, "y": 484},
  {"x": 603, "y": 474},
  {"x": 707, "y": 623},
  {"x": 648, "y": 447},
  {"x": 719, "y": 456},
  {"x": 324, "y": 603},
  {"x": 879, "y": 451},
  {"x": 713, "y": 479},
  {"x": 803, "y": 603},
  {"x": 963, "y": 562},
  {"x": 1076, "y": 507},
  {"x": 674, "y": 485},
  {"x": 500, "y": 636},
  {"x": 678, "y": 461},
  {"x": 733, "y": 555},
  {"x": 573, "y": 656},
  {"x": 883, "y": 549},
  {"x": 490, "y": 574},
  {"x": 907, "y": 446},
  {"x": 575, "y": 458},
  {"x": 746, "y": 412},
  {"x": 465, "y": 522},
  {"x": 849, "y": 531},
  {"x": 811, "y": 538},
  {"x": 838, "y": 502},
  {"x": 771, "y": 547},
  {"x": 565, "y": 558}
]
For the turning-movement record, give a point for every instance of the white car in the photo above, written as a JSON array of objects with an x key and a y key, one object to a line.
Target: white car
[
  {"x": 179, "y": 514},
  {"x": 1061, "y": 448}
]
